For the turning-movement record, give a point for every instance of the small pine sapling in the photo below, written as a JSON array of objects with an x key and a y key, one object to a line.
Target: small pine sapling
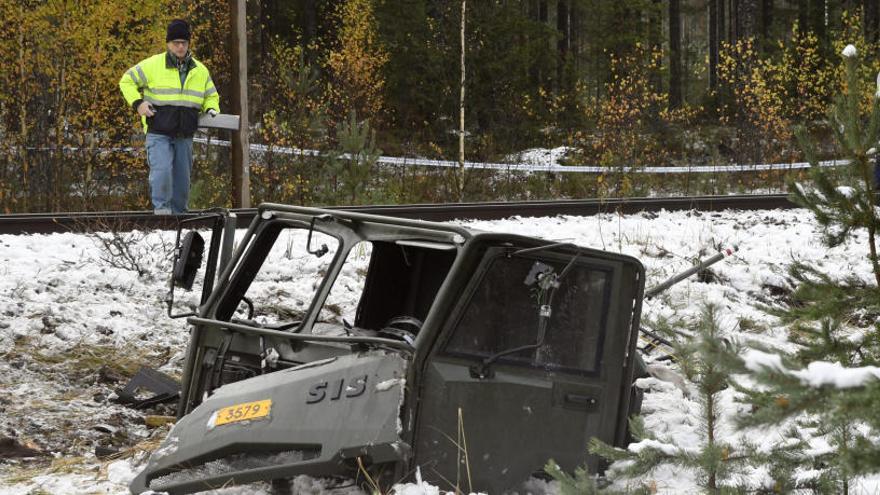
[
  {"x": 716, "y": 460},
  {"x": 581, "y": 483},
  {"x": 355, "y": 160}
]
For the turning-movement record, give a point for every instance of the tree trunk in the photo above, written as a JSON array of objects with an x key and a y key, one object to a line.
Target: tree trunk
[
  {"x": 748, "y": 19},
  {"x": 872, "y": 20},
  {"x": 713, "y": 44},
  {"x": 733, "y": 21},
  {"x": 552, "y": 22},
  {"x": 655, "y": 40},
  {"x": 711, "y": 419},
  {"x": 461, "y": 107},
  {"x": 57, "y": 172},
  {"x": 817, "y": 19},
  {"x": 802, "y": 9},
  {"x": 310, "y": 24},
  {"x": 22, "y": 113},
  {"x": 563, "y": 45},
  {"x": 574, "y": 27},
  {"x": 259, "y": 51},
  {"x": 766, "y": 24},
  {"x": 674, "y": 53},
  {"x": 722, "y": 21}
]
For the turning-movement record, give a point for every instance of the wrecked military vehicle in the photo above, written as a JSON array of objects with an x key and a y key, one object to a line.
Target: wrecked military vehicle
[{"x": 472, "y": 356}]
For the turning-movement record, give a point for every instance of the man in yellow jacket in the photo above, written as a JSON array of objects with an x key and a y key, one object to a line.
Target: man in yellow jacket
[{"x": 169, "y": 91}]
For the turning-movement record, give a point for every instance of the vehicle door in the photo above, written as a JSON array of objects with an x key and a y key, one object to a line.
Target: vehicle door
[{"x": 500, "y": 422}]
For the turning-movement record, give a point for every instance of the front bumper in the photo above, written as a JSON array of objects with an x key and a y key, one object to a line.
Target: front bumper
[{"x": 322, "y": 419}]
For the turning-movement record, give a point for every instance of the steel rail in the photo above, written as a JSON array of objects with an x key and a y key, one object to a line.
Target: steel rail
[{"x": 44, "y": 223}]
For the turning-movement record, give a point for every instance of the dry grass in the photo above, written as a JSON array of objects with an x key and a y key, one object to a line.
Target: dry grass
[
  {"x": 85, "y": 358},
  {"x": 144, "y": 447},
  {"x": 81, "y": 464},
  {"x": 61, "y": 465}
]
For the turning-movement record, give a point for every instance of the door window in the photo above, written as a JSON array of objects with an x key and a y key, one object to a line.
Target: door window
[{"x": 503, "y": 312}]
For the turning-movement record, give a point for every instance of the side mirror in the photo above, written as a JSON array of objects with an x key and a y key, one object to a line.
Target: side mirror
[
  {"x": 189, "y": 259},
  {"x": 321, "y": 251}
]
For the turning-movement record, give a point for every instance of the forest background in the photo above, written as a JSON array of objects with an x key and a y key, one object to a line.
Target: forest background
[{"x": 623, "y": 83}]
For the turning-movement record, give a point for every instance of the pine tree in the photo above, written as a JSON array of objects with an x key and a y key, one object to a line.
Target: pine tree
[
  {"x": 351, "y": 165},
  {"x": 718, "y": 459},
  {"x": 843, "y": 199},
  {"x": 829, "y": 389}
]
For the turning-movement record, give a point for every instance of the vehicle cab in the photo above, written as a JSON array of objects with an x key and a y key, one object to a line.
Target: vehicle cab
[{"x": 341, "y": 344}]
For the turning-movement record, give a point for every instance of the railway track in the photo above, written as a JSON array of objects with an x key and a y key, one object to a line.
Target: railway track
[{"x": 44, "y": 223}]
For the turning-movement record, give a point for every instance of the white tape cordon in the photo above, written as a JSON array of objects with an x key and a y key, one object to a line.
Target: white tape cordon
[
  {"x": 504, "y": 167},
  {"x": 525, "y": 167}
]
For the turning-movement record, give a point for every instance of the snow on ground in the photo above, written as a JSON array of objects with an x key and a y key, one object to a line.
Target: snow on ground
[
  {"x": 71, "y": 325},
  {"x": 541, "y": 156}
]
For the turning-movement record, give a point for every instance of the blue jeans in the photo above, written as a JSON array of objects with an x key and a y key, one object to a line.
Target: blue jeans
[{"x": 170, "y": 162}]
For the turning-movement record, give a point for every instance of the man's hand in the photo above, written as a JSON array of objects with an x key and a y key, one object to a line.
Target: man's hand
[
  {"x": 212, "y": 112},
  {"x": 146, "y": 109}
]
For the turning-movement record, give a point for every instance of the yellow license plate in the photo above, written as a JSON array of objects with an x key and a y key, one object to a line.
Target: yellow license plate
[{"x": 243, "y": 412}]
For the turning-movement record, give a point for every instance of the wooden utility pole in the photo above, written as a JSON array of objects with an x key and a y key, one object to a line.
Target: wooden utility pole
[
  {"x": 241, "y": 178},
  {"x": 461, "y": 112}
]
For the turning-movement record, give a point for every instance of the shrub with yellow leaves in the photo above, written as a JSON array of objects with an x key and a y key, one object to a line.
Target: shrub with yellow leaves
[
  {"x": 755, "y": 104},
  {"x": 631, "y": 122},
  {"x": 355, "y": 63}
]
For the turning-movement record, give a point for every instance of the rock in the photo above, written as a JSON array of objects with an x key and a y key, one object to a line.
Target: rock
[
  {"x": 102, "y": 452},
  {"x": 4, "y": 324},
  {"x": 104, "y": 330},
  {"x": 11, "y": 448},
  {"x": 49, "y": 324},
  {"x": 107, "y": 374},
  {"x": 65, "y": 333},
  {"x": 104, "y": 428},
  {"x": 707, "y": 276}
]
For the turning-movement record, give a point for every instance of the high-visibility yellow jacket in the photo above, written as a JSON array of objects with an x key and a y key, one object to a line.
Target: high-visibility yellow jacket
[{"x": 177, "y": 105}]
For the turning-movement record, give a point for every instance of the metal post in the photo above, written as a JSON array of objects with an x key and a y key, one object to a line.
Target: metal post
[
  {"x": 653, "y": 291},
  {"x": 241, "y": 179}
]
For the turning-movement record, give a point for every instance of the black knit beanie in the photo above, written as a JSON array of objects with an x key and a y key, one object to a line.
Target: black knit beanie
[{"x": 178, "y": 30}]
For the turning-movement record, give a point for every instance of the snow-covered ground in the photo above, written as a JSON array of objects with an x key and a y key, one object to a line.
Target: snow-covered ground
[{"x": 71, "y": 324}]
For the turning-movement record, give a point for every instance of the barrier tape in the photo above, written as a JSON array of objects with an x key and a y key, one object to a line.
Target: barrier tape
[
  {"x": 525, "y": 167},
  {"x": 504, "y": 167}
]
